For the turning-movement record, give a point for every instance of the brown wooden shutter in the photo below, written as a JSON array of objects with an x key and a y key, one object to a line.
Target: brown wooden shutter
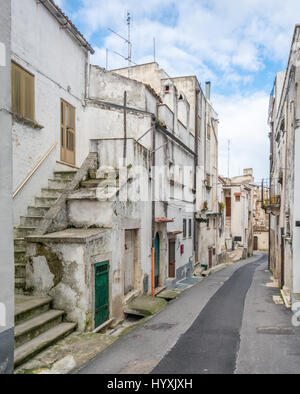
[{"x": 22, "y": 86}]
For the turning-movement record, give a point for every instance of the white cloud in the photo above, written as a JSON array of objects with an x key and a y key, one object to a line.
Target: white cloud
[
  {"x": 243, "y": 121},
  {"x": 227, "y": 36}
]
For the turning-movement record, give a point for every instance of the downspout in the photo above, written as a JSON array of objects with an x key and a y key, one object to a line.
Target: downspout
[
  {"x": 87, "y": 75},
  {"x": 125, "y": 129},
  {"x": 153, "y": 208},
  {"x": 196, "y": 163}
]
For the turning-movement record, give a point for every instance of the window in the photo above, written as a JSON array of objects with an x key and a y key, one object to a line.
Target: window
[
  {"x": 22, "y": 88},
  {"x": 237, "y": 198},
  {"x": 184, "y": 228},
  {"x": 167, "y": 89},
  {"x": 190, "y": 228}
]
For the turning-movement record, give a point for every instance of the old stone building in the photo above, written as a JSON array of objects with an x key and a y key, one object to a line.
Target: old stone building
[
  {"x": 184, "y": 96},
  {"x": 284, "y": 178},
  {"x": 239, "y": 197},
  {"x": 115, "y": 181},
  {"x": 260, "y": 221}
]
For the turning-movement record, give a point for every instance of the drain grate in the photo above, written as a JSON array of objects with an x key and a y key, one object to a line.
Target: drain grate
[
  {"x": 160, "y": 326},
  {"x": 275, "y": 330}
]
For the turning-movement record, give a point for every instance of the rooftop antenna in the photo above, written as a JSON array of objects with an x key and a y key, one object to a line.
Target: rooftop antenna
[
  {"x": 128, "y": 41},
  {"x": 228, "y": 156}
]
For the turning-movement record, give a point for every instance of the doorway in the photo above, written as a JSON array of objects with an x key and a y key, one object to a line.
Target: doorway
[
  {"x": 255, "y": 246},
  {"x": 156, "y": 260},
  {"x": 129, "y": 262},
  {"x": 101, "y": 292},
  {"x": 172, "y": 243},
  {"x": 67, "y": 133}
]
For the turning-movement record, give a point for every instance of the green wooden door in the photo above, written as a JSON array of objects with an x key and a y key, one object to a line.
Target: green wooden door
[
  {"x": 156, "y": 260},
  {"x": 101, "y": 293}
]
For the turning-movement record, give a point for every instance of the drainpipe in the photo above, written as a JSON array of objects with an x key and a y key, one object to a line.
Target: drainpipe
[
  {"x": 153, "y": 208},
  {"x": 87, "y": 74},
  {"x": 125, "y": 130},
  {"x": 196, "y": 163}
]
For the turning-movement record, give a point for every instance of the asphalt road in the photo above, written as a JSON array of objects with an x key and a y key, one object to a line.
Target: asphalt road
[
  {"x": 211, "y": 344},
  {"x": 226, "y": 324}
]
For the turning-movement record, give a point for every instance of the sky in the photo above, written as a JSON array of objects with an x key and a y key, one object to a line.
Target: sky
[{"x": 238, "y": 45}]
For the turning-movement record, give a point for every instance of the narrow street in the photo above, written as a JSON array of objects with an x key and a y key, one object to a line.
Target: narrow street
[{"x": 227, "y": 323}]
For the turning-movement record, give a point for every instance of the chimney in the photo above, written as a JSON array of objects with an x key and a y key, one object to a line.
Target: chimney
[
  {"x": 207, "y": 89},
  {"x": 248, "y": 171}
]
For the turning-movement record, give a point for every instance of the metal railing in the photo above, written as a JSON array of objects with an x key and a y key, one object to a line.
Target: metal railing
[{"x": 32, "y": 172}]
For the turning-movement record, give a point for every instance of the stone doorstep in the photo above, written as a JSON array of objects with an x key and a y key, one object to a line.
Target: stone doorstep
[
  {"x": 106, "y": 324},
  {"x": 79, "y": 348},
  {"x": 29, "y": 349}
]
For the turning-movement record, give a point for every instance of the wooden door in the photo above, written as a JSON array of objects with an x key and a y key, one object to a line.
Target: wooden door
[
  {"x": 101, "y": 293},
  {"x": 67, "y": 133},
  {"x": 156, "y": 261},
  {"x": 172, "y": 243},
  {"x": 228, "y": 206},
  {"x": 129, "y": 262},
  {"x": 255, "y": 247}
]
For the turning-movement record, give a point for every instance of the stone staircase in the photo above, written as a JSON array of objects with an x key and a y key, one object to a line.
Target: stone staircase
[
  {"x": 37, "y": 326},
  {"x": 35, "y": 215}
]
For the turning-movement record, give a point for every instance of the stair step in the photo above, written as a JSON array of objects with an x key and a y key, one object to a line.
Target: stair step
[
  {"x": 45, "y": 201},
  {"x": 31, "y": 220},
  {"x": 23, "y": 231},
  {"x": 20, "y": 257},
  {"x": 20, "y": 244},
  {"x": 36, "y": 326},
  {"x": 38, "y": 211},
  {"x": 20, "y": 283},
  {"x": 59, "y": 184},
  {"x": 31, "y": 348},
  {"x": 28, "y": 307},
  {"x": 47, "y": 192},
  {"x": 64, "y": 174},
  {"x": 20, "y": 270}
]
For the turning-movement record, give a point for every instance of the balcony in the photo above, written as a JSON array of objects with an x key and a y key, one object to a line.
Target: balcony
[
  {"x": 208, "y": 181},
  {"x": 272, "y": 205}
]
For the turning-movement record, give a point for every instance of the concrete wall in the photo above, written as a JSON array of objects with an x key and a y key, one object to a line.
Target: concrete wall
[{"x": 6, "y": 215}]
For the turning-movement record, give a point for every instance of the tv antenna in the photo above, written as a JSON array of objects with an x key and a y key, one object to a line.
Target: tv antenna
[
  {"x": 228, "y": 157},
  {"x": 128, "y": 41}
]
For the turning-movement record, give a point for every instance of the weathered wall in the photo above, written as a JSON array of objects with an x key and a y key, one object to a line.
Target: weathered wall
[{"x": 6, "y": 223}]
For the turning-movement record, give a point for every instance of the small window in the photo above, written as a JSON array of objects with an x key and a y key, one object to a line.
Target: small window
[
  {"x": 190, "y": 228},
  {"x": 184, "y": 228},
  {"x": 237, "y": 198},
  {"x": 22, "y": 88},
  {"x": 167, "y": 89}
]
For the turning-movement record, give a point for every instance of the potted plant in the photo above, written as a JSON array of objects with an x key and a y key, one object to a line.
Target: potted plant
[{"x": 221, "y": 206}]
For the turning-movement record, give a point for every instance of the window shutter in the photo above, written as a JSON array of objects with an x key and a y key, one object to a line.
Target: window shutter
[
  {"x": 22, "y": 87},
  {"x": 16, "y": 88},
  {"x": 29, "y": 96}
]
